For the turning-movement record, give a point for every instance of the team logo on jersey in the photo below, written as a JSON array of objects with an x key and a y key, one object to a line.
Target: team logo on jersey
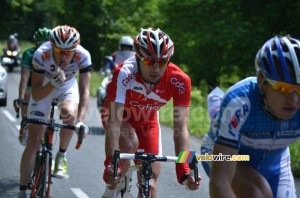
[
  {"x": 77, "y": 56},
  {"x": 179, "y": 85},
  {"x": 129, "y": 78},
  {"x": 146, "y": 107},
  {"x": 45, "y": 55},
  {"x": 137, "y": 88},
  {"x": 238, "y": 115}
]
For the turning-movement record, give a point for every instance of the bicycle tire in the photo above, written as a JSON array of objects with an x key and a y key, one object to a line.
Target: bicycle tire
[{"x": 41, "y": 187}]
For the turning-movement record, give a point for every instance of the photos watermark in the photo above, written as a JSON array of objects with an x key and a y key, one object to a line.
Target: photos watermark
[{"x": 221, "y": 157}]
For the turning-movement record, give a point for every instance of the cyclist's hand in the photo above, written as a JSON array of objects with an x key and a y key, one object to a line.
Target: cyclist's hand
[
  {"x": 108, "y": 175},
  {"x": 57, "y": 79},
  {"x": 182, "y": 172},
  {"x": 190, "y": 183},
  {"x": 77, "y": 128},
  {"x": 17, "y": 103}
]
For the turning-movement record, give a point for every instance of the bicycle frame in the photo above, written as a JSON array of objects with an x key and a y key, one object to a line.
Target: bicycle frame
[{"x": 41, "y": 176}]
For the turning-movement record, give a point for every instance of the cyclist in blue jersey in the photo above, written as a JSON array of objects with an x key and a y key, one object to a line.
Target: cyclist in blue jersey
[{"x": 259, "y": 117}]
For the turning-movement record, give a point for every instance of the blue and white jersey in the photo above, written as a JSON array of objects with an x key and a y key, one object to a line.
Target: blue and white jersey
[{"x": 241, "y": 123}]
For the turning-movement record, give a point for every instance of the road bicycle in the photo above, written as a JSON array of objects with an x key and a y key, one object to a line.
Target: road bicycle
[
  {"x": 145, "y": 171},
  {"x": 41, "y": 176}
]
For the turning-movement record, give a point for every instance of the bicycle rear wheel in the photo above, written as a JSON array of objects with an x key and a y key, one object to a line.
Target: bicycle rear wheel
[{"x": 41, "y": 186}]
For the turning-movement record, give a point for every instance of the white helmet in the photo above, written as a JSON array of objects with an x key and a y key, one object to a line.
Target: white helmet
[
  {"x": 126, "y": 40},
  {"x": 64, "y": 37}
]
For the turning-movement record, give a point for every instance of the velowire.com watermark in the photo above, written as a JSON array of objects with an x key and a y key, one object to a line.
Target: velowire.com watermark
[{"x": 187, "y": 157}]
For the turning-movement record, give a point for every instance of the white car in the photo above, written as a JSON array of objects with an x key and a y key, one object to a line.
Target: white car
[{"x": 3, "y": 86}]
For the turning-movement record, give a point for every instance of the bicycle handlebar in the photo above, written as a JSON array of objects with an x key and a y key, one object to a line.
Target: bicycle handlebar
[
  {"x": 148, "y": 157},
  {"x": 17, "y": 107},
  {"x": 151, "y": 157},
  {"x": 26, "y": 121}
]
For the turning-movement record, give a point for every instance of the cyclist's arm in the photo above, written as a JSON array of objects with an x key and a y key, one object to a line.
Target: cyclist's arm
[
  {"x": 40, "y": 91},
  {"x": 181, "y": 134},
  {"x": 222, "y": 173},
  {"x": 84, "y": 91},
  {"x": 25, "y": 73},
  {"x": 113, "y": 124}
]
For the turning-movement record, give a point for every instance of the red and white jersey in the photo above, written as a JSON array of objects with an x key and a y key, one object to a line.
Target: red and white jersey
[{"x": 128, "y": 88}]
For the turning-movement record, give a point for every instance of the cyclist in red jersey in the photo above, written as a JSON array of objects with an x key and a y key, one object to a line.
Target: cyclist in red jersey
[{"x": 139, "y": 88}]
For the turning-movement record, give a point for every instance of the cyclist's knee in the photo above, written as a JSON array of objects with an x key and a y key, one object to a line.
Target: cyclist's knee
[
  {"x": 248, "y": 182},
  {"x": 33, "y": 143}
]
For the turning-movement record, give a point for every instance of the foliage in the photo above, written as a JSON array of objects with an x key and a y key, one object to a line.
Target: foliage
[{"x": 295, "y": 158}]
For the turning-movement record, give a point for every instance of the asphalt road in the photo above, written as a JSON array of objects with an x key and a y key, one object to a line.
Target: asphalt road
[{"x": 85, "y": 166}]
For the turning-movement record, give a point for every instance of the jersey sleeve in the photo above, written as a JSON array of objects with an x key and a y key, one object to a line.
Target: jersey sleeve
[
  {"x": 27, "y": 59},
  {"x": 85, "y": 64},
  {"x": 118, "y": 86},
  {"x": 230, "y": 119},
  {"x": 182, "y": 90},
  {"x": 37, "y": 61}
]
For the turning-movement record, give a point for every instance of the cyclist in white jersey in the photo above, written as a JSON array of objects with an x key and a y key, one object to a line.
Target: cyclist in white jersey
[
  {"x": 55, "y": 66},
  {"x": 260, "y": 117}
]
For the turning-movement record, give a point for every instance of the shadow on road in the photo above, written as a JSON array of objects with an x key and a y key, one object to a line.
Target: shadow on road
[
  {"x": 96, "y": 131},
  {"x": 8, "y": 187}
]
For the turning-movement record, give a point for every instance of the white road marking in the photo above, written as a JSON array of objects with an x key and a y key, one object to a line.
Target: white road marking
[
  {"x": 79, "y": 193},
  {"x": 8, "y": 115}
]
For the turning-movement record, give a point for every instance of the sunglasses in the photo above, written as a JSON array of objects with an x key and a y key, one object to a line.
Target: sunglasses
[
  {"x": 283, "y": 87},
  {"x": 60, "y": 51},
  {"x": 152, "y": 63}
]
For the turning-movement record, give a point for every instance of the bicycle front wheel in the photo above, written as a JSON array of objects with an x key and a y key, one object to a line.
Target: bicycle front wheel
[{"x": 41, "y": 186}]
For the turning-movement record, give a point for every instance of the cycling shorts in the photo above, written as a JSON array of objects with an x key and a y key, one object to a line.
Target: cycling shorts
[
  {"x": 148, "y": 132},
  {"x": 41, "y": 109},
  {"x": 278, "y": 173}
]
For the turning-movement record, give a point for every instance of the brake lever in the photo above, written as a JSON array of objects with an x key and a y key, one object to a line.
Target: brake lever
[
  {"x": 194, "y": 166},
  {"x": 115, "y": 162}
]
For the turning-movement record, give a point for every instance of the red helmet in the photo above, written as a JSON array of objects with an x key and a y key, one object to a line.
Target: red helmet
[
  {"x": 153, "y": 44},
  {"x": 64, "y": 37}
]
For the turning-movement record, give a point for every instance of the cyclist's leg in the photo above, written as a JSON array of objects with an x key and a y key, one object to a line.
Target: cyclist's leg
[
  {"x": 68, "y": 104},
  {"x": 37, "y": 110},
  {"x": 68, "y": 115},
  {"x": 248, "y": 182},
  {"x": 149, "y": 137},
  {"x": 33, "y": 144},
  {"x": 280, "y": 177},
  {"x": 128, "y": 143}
]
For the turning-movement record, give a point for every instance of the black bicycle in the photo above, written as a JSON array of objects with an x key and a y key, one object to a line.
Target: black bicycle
[
  {"x": 41, "y": 176},
  {"x": 145, "y": 170}
]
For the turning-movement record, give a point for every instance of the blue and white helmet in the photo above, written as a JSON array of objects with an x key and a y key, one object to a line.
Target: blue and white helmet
[{"x": 278, "y": 59}]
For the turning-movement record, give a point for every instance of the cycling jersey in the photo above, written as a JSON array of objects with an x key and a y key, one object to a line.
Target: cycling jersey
[
  {"x": 140, "y": 108},
  {"x": 118, "y": 58},
  {"x": 27, "y": 62},
  {"x": 242, "y": 124},
  {"x": 43, "y": 63}
]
